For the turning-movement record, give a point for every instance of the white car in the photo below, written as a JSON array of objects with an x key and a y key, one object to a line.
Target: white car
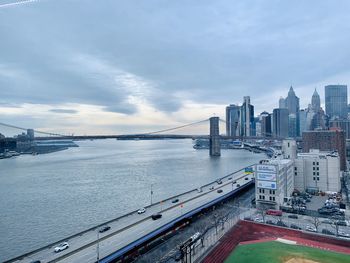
[
  {"x": 141, "y": 210},
  {"x": 310, "y": 228},
  {"x": 61, "y": 247},
  {"x": 343, "y": 234},
  {"x": 258, "y": 220}
]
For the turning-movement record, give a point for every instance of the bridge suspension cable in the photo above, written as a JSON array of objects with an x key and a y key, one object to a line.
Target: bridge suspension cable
[
  {"x": 24, "y": 129},
  {"x": 176, "y": 128}
]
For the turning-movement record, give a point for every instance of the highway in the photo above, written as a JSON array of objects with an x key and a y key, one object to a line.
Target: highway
[{"x": 127, "y": 229}]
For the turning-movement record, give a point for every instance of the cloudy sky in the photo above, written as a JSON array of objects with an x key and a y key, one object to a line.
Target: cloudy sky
[{"x": 110, "y": 66}]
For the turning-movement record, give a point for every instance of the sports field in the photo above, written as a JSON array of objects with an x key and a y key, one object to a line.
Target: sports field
[{"x": 276, "y": 252}]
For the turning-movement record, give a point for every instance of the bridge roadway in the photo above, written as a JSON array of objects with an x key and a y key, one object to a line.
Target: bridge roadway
[{"x": 129, "y": 228}]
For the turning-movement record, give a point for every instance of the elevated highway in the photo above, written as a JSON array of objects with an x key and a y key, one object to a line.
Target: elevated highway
[{"x": 133, "y": 229}]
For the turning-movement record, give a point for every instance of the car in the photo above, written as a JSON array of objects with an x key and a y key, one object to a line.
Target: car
[
  {"x": 104, "y": 229},
  {"x": 295, "y": 227},
  {"x": 175, "y": 200},
  {"x": 280, "y": 223},
  {"x": 327, "y": 232},
  {"x": 327, "y": 221},
  {"x": 199, "y": 190},
  {"x": 35, "y": 261},
  {"x": 156, "y": 216},
  {"x": 238, "y": 185},
  {"x": 258, "y": 220},
  {"x": 341, "y": 223},
  {"x": 246, "y": 178},
  {"x": 230, "y": 178},
  {"x": 274, "y": 212},
  {"x": 211, "y": 188},
  {"x": 219, "y": 191},
  {"x": 270, "y": 222},
  {"x": 310, "y": 228},
  {"x": 234, "y": 182},
  {"x": 293, "y": 216},
  {"x": 61, "y": 247},
  {"x": 141, "y": 210},
  {"x": 343, "y": 234},
  {"x": 219, "y": 181},
  {"x": 248, "y": 218}
]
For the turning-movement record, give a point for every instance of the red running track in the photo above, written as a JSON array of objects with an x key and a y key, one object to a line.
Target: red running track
[{"x": 249, "y": 231}]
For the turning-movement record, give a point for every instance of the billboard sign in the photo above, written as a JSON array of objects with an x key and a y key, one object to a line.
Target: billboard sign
[
  {"x": 266, "y": 168},
  {"x": 267, "y": 185},
  {"x": 266, "y": 177}
]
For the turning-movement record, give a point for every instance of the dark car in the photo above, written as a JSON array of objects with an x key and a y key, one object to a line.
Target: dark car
[
  {"x": 280, "y": 223},
  {"x": 295, "y": 227},
  {"x": 35, "y": 261},
  {"x": 327, "y": 232},
  {"x": 341, "y": 223},
  {"x": 219, "y": 191},
  {"x": 234, "y": 182},
  {"x": 156, "y": 216},
  {"x": 246, "y": 178},
  {"x": 247, "y": 218},
  {"x": 175, "y": 201},
  {"x": 230, "y": 178},
  {"x": 104, "y": 229},
  {"x": 270, "y": 222},
  {"x": 293, "y": 216},
  {"x": 238, "y": 185}
]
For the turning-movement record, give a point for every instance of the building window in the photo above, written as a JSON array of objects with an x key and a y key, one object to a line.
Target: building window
[
  {"x": 313, "y": 173},
  {"x": 317, "y": 168},
  {"x": 295, "y": 168},
  {"x": 295, "y": 173},
  {"x": 318, "y": 178},
  {"x": 317, "y": 173},
  {"x": 318, "y": 163},
  {"x": 314, "y": 178},
  {"x": 273, "y": 198},
  {"x": 313, "y": 163},
  {"x": 313, "y": 168}
]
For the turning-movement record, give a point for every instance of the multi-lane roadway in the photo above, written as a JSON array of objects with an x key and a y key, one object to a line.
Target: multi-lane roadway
[{"x": 90, "y": 245}]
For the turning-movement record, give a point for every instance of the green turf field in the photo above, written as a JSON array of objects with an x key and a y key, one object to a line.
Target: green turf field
[{"x": 276, "y": 252}]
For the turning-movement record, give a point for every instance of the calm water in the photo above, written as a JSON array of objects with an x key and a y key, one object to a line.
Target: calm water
[{"x": 44, "y": 198}]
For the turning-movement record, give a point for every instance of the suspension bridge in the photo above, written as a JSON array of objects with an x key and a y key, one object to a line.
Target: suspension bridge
[{"x": 214, "y": 135}]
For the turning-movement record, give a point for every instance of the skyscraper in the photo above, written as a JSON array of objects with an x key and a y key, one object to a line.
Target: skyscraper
[
  {"x": 315, "y": 101},
  {"x": 280, "y": 122},
  {"x": 232, "y": 120},
  {"x": 266, "y": 125},
  {"x": 247, "y": 118},
  {"x": 292, "y": 104},
  {"x": 292, "y": 125},
  {"x": 336, "y": 101}
]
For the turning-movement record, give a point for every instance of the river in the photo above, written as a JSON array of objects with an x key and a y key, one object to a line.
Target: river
[{"x": 44, "y": 198}]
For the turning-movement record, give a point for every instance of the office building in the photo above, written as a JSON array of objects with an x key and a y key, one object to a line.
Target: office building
[
  {"x": 326, "y": 140},
  {"x": 303, "y": 121},
  {"x": 336, "y": 101},
  {"x": 282, "y": 103},
  {"x": 232, "y": 120},
  {"x": 289, "y": 149},
  {"x": 247, "y": 118},
  {"x": 292, "y": 104},
  {"x": 274, "y": 182},
  {"x": 292, "y": 125},
  {"x": 342, "y": 125},
  {"x": 266, "y": 124},
  {"x": 317, "y": 171},
  {"x": 280, "y": 122}
]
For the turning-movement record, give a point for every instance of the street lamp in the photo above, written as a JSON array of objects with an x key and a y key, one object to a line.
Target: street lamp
[
  {"x": 151, "y": 193},
  {"x": 98, "y": 246}
]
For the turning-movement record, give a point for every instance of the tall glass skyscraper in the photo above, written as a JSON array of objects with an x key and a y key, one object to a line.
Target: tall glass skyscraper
[
  {"x": 280, "y": 122},
  {"x": 336, "y": 101},
  {"x": 232, "y": 120}
]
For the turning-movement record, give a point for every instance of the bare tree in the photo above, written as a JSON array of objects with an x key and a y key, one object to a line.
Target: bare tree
[
  {"x": 262, "y": 211},
  {"x": 315, "y": 221},
  {"x": 335, "y": 224}
]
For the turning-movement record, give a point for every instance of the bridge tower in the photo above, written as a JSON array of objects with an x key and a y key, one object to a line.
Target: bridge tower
[{"x": 214, "y": 140}]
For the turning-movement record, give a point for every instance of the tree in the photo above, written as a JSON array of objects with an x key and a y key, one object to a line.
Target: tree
[
  {"x": 315, "y": 221},
  {"x": 262, "y": 211}
]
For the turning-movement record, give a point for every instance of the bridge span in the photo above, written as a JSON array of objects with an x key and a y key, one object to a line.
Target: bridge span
[{"x": 133, "y": 230}]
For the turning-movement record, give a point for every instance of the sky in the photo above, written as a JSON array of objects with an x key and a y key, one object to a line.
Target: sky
[{"x": 121, "y": 66}]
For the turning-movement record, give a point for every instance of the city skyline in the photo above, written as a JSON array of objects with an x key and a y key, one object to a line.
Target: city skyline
[{"x": 88, "y": 74}]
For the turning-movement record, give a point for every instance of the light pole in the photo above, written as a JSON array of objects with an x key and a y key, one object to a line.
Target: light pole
[
  {"x": 151, "y": 193},
  {"x": 98, "y": 246}
]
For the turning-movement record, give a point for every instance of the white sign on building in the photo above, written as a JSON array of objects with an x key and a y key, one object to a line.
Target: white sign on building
[
  {"x": 266, "y": 176},
  {"x": 267, "y": 185},
  {"x": 265, "y": 168}
]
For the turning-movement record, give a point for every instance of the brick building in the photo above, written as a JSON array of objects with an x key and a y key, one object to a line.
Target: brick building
[{"x": 329, "y": 140}]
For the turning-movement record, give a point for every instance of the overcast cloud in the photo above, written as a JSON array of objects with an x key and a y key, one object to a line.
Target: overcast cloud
[{"x": 144, "y": 62}]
